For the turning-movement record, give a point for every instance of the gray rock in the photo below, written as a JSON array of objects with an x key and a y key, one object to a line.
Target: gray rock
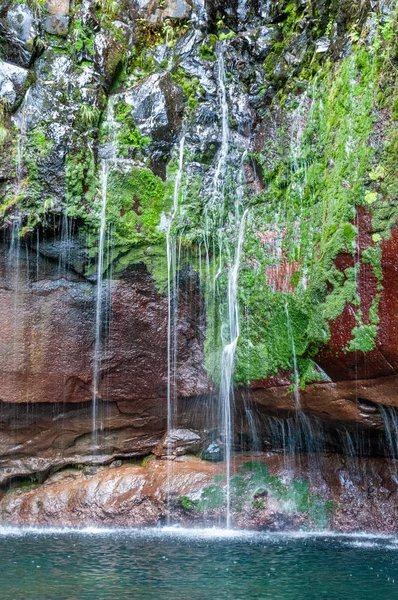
[
  {"x": 213, "y": 453},
  {"x": 58, "y": 7},
  {"x": 157, "y": 106},
  {"x": 172, "y": 9},
  {"x": 157, "y": 109},
  {"x": 199, "y": 14},
  {"x": 178, "y": 442},
  {"x": 12, "y": 82},
  {"x": 264, "y": 41},
  {"x": 108, "y": 55},
  {"x": 57, "y": 25},
  {"x": 322, "y": 45},
  {"x": 45, "y": 103},
  {"x": 19, "y": 27},
  {"x": 177, "y": 9}
]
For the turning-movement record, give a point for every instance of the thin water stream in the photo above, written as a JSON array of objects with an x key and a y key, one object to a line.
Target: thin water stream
[
  {"x": 172, "y": 295},
  {"x": 173, "y": 266},
  {"x": 228, "y": 365},
  {"x": 99, "y": 301},
  {"x": 106, "y": 164}
]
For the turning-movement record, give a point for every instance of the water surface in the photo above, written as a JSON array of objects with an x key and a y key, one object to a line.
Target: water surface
[{"x": 92, "y": 564}]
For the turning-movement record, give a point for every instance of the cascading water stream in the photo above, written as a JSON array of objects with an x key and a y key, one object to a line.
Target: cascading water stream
[
  {"x": 228, "y": 365},
  {"x": 295, "y": 367},
  {"x": 304, "y": 436},
  {"x": 173, "y": 262},
  {"x": 222, "y": 157},
  {"x": 214, "y": 219},
  {"x": 214, "y": 209},
  {"x": 106, "y": 163},
  {"x": 99, "y": 302},
  {"x": 21, "y": 139},
  {"x": 390, "y": 421},
  {"x": 172, "y": 295}
]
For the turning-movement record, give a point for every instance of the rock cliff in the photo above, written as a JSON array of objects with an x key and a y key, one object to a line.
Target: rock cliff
[{"x": 95, "y": 98}]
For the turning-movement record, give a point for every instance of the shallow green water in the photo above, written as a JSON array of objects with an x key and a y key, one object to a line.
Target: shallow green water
[{"x": 205, "y": 565}]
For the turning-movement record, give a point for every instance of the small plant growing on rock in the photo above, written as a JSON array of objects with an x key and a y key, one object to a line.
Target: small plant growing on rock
[{"x": 89, "y": 114}]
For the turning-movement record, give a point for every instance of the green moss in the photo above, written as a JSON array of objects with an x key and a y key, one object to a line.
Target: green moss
[
  {"x": 190, "y": 86},
  {"x": 373, "y": 255},
  {"x": 252, "y": 485},
  {"x": 153, "y": 257},
  {"x": 364, "y": 339},
  {"x": 315, "y": 198},
  {"x": 147, "y": 459},
  {"x": 29, "y": 195},
  {"x": 129, "y": 138},
  {"x": 207, "y": 52},
  {"x": 81, "y": 185},
  {"x": 304, "y": 219},
  {"x": 186, "y": 503},
  {"x": 83, "y": 37},
  {"x": 136, "y": 200}
]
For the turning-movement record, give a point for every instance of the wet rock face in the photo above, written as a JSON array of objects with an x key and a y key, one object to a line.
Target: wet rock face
[
  {"x": 57, "y": 23},
  {"x": 12, "y": 83},
  {"x": 383, "y": 360},
  {"x": 157, "y": 110},
  {"x": 19, "y": 28},
  {"x": 351, "y": 499},
  {"x": 47, "y": 319},
  {"x": 40, "y": 439},
  {"x": 155, "y": 12},
  {"x": 47, "y": 306}
]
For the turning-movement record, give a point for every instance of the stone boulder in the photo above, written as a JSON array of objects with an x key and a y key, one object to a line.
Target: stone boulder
[
  {"x": 19, "y": 27},
  {"x": 177, "y": 442},
  {"x": 12, "y": 83},
  {"x": 155, "y": 12},
  {"x": 56, "y": 25}
]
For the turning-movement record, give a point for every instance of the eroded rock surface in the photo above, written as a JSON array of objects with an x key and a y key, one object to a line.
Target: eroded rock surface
[{"x": 350, "y": 499}]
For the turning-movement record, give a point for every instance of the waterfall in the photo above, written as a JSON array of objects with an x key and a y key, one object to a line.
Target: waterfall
[
  {"x": 173, "y": 263},
  {"x": 21, "y": 139},
  {"x": 99, "y": 303},
  {"x": 254, "y": 436},
  {"x": 390, "y": 421},
  {"x": 222, "y": 157},
  {"x": 304, "y": 436},
  {"x": 295, "y": 367},
  {"x": 214, "y": 219},
  {"x": 228, "y": 365},
  {"x": 106, "y": 163},
  {"x": 172, "y": 295}
]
